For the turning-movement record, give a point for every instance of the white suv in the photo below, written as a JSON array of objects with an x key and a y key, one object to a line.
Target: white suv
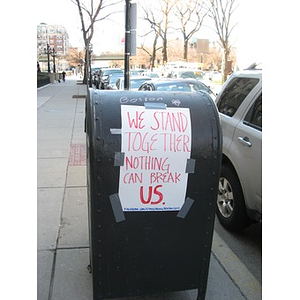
[{"x": 239, "y": 103}]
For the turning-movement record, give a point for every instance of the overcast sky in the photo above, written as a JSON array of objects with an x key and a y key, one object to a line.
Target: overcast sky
[{"x": 108, "y": 33}]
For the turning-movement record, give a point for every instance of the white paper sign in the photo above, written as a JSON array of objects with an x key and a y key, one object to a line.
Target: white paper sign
[{"x": 156, "y": 144}]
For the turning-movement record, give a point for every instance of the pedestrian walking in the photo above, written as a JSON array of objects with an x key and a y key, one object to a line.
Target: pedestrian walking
[{"x": 64, "y": 76}]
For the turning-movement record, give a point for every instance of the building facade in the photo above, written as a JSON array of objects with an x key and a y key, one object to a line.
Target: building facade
[{"x": 54, "y": 35}]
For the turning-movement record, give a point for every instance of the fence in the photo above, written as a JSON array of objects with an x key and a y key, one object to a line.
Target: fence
[{"x": 42, "y": 79}]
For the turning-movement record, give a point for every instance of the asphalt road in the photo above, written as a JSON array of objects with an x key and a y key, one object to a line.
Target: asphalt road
[{"x": 247, "y": 245}]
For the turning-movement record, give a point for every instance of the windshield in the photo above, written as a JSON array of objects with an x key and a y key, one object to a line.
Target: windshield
[
  {"x": 94, "y": 70},
  {"x": 183, "y": 86},
  {"x": 108, "y": 72},
  {"x": 136, "y": 83},
  {"x": 199, "y": 74},
  {"x": 187, "y": 75},
  {"x": 152, "y": 75},
  {"x": 114, "y": 77}
]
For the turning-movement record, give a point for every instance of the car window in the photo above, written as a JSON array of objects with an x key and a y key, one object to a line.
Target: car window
[
  {"x": 113, "y": 78},
  {"x": 234, "y": 94},
  {"x": 187, "y": 75},
  {"x": 200, "y": 87},
  {"x": 165, "y": 87},
  {"x": 136, "y": 83},
  {"x": 254, "y": 115},
  {"x": 182, "y": 88}
]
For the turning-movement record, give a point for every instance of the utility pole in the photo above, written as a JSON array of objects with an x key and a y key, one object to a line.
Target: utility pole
[{"x": 127, "y": 46}]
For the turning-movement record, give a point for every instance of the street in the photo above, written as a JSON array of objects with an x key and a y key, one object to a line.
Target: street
[
  {"x": 247, "y": 245},
  {"x": 63, "y": 245}
]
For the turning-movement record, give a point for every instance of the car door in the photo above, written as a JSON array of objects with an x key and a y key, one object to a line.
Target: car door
[
  {"x": 232, "y": 103},
  {"x": 246, "y": 153}
]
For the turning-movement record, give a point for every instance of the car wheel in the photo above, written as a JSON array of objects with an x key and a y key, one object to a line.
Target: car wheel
[{"x": 231, "y": 210}]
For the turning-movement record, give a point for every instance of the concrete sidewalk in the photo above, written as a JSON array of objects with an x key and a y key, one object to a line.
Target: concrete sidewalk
[{"x": 63, "y": 245}]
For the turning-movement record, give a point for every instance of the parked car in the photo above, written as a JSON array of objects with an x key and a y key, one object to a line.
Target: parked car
[
  {"x": 191, "y": 73},
  {"x": 105, "y": 73},
  {"x": 112, "y": 81},
  {"x": 204, "y": 78},
  {"x": 239, "y": 102},
  {"x": 182, "y": 73},
  {"x": 151, "y": 74},
  {"x": 134, "y": 72},
  {"x": 183, "y": 85},
  {"x": 95, "y": 70},
  {"x": 215, "y": 76},
  {"x": 135, "y": 82}
]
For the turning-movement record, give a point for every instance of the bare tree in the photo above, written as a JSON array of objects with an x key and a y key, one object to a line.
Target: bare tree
[
  {"x": 89, "y": 15},
  {"x": 75, "y": 57},
  {"x": 160, "y": 23},
  {"x": 191, "y": 14},
  {"x": 221, "y": 12},
  {"x": 166, "y": 7},
  {"x": 156, "y": 29},
  {"x": 151, "y": 53}
]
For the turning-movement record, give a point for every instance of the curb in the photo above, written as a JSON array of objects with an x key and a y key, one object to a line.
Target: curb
[{"x": 236, "y": 270}]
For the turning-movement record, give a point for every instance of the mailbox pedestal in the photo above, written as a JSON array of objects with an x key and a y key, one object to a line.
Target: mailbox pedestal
[{"x": 153, "y": 163}]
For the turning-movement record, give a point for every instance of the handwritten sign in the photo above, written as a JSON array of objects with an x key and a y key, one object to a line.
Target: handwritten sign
[{"x": 156, "y": 144}]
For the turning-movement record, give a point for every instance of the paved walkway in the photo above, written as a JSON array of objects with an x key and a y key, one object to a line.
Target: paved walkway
[{"x": 63, "y": 245}]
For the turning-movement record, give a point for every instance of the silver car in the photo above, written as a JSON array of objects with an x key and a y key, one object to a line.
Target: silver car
[
  {"x": 135, "y": 82},
  {"x": 180, "y": 85},
  {"x": 239, "y": 102}
]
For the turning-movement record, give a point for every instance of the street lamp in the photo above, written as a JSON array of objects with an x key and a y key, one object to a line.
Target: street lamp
[
  {"x": 90, "y": 62},
  {"x": 53, "y": 54},
  {"x": 48, "y": 52}
]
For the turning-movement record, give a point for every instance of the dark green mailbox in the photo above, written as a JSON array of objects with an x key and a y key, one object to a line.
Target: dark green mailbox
[{"x": 153, "y": 166}]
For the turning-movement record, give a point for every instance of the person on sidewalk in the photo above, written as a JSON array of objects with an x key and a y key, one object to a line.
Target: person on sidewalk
[{"x": 64, "y": 76}]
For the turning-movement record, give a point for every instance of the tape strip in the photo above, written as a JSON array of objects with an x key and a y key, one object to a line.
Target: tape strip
[
  {"x": 115, "y": 130},
  {"x": 190, "y": 165},
  {"x": 117, "y": 207},
  {"x": 151, "y": 105},
  {"x": 185, "y": 208},
  {"x": 119, "y": 159}
]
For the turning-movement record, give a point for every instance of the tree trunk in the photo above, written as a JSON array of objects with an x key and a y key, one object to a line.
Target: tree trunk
[
  {"x": 185, "y": 49},
  {"x": 225, "y": 71},
  {"x": 153, "y": 57},
  {"x": 165, "y": 51},
  {"x": 86, "y": 68},
  {"x": 165, "y": 41}
]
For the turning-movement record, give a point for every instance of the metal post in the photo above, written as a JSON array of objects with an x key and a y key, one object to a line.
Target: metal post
[
  {"x": 53, "y": 54},
  {"x": 127, "y": 46},
  {"x": 47, "y": 51}
]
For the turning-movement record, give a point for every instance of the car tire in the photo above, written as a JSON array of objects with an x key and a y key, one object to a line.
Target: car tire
[{"x": 231, "y": 210}]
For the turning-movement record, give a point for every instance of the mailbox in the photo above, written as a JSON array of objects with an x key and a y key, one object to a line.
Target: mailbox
[{"x": 153, "y": 164}]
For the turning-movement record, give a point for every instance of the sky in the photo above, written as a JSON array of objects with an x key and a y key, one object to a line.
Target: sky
[{"x": 109, "y": 31}]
